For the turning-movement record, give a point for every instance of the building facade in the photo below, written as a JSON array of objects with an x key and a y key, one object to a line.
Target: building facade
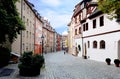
[
  {"x": 36, "y": 26},
  {"x": 71, "y": 39},
  {"x": 58, "y": 42},
  {"x": 38, "y": 33},
  {"x": 65, "y": 42},
  {"x": 49, "y": 34},
  {"x": 77, "y": 30},
  {"x": 100, "y": 36},
  {"x": 25, "y": 41}
]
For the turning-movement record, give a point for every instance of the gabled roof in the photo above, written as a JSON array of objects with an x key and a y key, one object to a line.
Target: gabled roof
[
  {"x": 77, "y": 9},
  {"x": 78, "y": 6}
]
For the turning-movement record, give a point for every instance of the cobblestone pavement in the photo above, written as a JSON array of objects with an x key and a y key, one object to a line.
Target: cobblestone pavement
[{"x": 60, "y": 66}]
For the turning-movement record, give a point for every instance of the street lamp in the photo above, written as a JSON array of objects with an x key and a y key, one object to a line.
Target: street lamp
[{"x": 42, "y": 37}]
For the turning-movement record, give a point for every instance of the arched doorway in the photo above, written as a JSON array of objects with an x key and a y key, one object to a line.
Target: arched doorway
[{"x": 119, "y": 49}]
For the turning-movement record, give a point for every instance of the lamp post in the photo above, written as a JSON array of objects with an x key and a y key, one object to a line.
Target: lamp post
[{"x": 42, "y": 37}]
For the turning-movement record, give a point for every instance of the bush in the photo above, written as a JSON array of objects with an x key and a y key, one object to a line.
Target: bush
[
  {"x": 38, "y": 60},
  {"x": 30, "y": 64},
  {"x": 4, "y": 56}
]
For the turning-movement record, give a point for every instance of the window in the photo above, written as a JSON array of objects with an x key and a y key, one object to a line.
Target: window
[
  {"x": 101, "y": 21},
  {"x": 30, "y": 35},
  {"x": 75, "y": 19},
  {"x": 94, "y": 23},
  {"x": 26, "y": 46},
  {"x": 27, "y": 34},
  {"x": 79, "y": 47},
  {"x": 79, "y": 16},
  {"x": 75, "y": 31},
  {"x": 88, "y": 44},
  {"x": 88, "y": 10},
  {"x": 86, "y": 26},
  {"x": 94, "y": 44},
  {"x": 83, "y": 27},
  {"x": 33, "y": 35},
  {"x": 27, "y": 9},
  {"x": 79, "y": 30},
  {"x": 102, "y": 44},
  {"x": 23, "y": 18},
  {"x": 24, "y": 6},
  {"x": 23, "y": 33},
  {"x": 30, "y": 46},
  {"x": 27, "y": 22},
  {"x": 23, "y": 47},
  {"x": 30, "y": 24}
]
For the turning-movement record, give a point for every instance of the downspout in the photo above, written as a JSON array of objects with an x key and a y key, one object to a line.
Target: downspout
[
  {"x": 21, "y": 30},
  {"x": 82, "y": 44},
  {"x": 35, "y": 33}
]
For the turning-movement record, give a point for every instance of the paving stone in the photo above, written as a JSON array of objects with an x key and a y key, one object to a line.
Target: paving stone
[{"x": 60, "y": 66}]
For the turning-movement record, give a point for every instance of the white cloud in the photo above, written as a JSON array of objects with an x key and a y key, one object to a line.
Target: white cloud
[
  {"x": 52, "y": 2},
  {"x": 58, "y": 12},
  {"x": 65, "y": 33},
  {"x": 57, "y": 20}
]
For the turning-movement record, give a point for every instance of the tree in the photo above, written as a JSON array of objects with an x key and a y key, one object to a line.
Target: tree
[
  {"x": 10, "y": 22},
  {"x": 111, "y": 7}
]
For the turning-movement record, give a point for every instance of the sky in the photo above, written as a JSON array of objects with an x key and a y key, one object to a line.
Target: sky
[{"x": 58, "y": 12}]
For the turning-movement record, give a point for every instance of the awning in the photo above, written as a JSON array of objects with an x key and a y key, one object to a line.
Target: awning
[{"x": 13, "y": 53}]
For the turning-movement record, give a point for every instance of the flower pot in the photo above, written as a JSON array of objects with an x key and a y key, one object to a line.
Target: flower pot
[
  {"x": 30, "y": 65},
  {"x": 85, "y": 57},
  {"x": 117, "y": 65},
  {"x": 108, "y": 61},
  {"x": 117, "y": 62},
  {"x": 29, "y": 71}
]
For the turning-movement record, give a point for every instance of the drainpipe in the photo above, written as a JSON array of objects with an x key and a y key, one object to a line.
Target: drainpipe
[
  {"x": 35, "y": 19},
  {"x": 82, "y": 44},
  {"x": 21, "y": 30}
]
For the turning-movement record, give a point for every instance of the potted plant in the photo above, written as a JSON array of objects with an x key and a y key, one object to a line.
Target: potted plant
[
  {"x": 30, "y": 64},
  {"x": 117, "y": 62},
  {"x": 108, "y": 61}
]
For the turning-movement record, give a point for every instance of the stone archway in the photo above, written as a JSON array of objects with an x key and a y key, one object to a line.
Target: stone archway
[{"x": 119, "y": 49}]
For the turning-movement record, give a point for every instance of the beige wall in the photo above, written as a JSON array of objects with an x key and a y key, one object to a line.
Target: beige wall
[
  {"x": 28, "y": 34},
  {"x": 49, "y": 37},
  {"x": 71, "y": 37},
  {"x": 16, "y": 43}
]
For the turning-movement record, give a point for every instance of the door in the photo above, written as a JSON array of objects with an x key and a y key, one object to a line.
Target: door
[
  {"x": 85, "y": 50},
  {"x": 119, "y": 49}
]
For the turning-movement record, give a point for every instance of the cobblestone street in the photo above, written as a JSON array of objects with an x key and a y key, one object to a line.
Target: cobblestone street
[{"x": 60, "y": 66}]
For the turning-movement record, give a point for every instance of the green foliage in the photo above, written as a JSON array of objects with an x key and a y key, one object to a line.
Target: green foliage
[
  {"x": 38, "y": 60},
  {"x": 4, "y": 56},
  {"x": 26, "y": 59},
  {"x": 29, "y": 60},
  {"x": 10, "y": 22},
  {"x": 111, "y": 7},
  {"x": 30, "y": 64}
]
